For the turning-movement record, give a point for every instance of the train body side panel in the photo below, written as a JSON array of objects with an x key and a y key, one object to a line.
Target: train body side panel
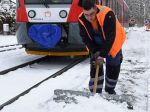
[
  {"x": 22, "y": 33},
  {"x": 74, "y": 34}
]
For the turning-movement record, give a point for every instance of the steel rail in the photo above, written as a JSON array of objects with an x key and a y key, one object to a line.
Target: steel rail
[
  {"x": 9, "y": 45},
  {"x": 3, "y": 72},
  {"x": 10, "y": 49}
]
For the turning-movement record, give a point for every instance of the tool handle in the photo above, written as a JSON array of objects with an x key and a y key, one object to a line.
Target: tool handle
[{"x": 96, "y": 78}]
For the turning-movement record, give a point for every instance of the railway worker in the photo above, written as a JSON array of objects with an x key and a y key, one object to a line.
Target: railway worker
[
  {"x": 104, "y": 36},
  {"x": 147, "y": 24}
]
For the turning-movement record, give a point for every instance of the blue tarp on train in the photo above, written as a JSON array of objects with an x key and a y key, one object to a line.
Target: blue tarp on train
[{"x": 46, "y": 35}]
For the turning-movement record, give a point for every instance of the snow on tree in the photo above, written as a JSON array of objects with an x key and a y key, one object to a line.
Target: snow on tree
[
  {"x": 7, "y": 14},
  {"x": 139, "y": 10}
]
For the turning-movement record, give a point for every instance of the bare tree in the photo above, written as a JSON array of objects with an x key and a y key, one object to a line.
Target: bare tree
[{"x": 139, "y": 9}]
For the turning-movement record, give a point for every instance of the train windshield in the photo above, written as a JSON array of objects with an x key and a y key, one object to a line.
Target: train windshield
[{"x": 48, "y": 1}]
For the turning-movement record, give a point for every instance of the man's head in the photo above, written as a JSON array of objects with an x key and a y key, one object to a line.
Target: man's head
[{"x": 89, "y": 9}]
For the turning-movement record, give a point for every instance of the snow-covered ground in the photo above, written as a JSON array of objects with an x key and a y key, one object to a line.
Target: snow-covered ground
[
  {"x": 134, "y": 79},
  {"x": 15, "y": 82},
  {"x": 17, "y": 57},
  {"x": 7, "y": 40}
]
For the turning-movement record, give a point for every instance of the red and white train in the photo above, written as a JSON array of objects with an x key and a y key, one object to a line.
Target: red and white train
[{"x": 50, "y": 27}]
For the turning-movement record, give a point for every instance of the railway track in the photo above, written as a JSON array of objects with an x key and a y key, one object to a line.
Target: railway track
[
  {"x": 3, "y": 72},
  {"x": 10, "y": 49},
  {"x": 9, "y": 45},
  {"x": 69, "y": 66}
]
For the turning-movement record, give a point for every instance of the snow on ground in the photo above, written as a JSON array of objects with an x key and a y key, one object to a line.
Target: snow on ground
[
  {"x": 15, "y": 82},
  {"x": 11, "y": 84},
  {"x": 17, "y": 57},
  {"x": 7, "y": 40},
  {"x": 134, "y": 79}
]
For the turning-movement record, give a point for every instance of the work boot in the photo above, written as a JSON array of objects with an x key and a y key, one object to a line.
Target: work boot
[{"x": 110, "y": 91}]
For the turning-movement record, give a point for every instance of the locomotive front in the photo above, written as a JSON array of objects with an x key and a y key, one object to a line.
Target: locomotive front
[{"x": 49, "y": 27}]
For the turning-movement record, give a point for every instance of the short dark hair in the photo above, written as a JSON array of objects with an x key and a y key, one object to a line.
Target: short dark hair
[{"x": 87, "y": 4}]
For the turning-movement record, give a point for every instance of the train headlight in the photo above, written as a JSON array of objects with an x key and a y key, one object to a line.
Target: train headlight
[
  {"x": 63, "y": 13},
  {"x": 31, "y": 13}
]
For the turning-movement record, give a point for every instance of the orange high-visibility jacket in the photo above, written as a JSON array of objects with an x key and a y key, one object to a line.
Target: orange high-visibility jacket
[{"x": 120, "y": 34}]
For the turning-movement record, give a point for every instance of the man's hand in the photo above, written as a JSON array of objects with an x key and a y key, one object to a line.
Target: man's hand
[
  {"x": 97, "y": 54},
  {"x": 99, "y": 61}
]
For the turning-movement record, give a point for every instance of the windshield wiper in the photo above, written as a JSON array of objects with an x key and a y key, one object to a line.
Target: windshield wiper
[{"x": 44, "y": 2}]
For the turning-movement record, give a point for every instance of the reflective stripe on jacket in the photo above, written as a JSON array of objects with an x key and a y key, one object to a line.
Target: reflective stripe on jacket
[{"x": 120, "y": 34}]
